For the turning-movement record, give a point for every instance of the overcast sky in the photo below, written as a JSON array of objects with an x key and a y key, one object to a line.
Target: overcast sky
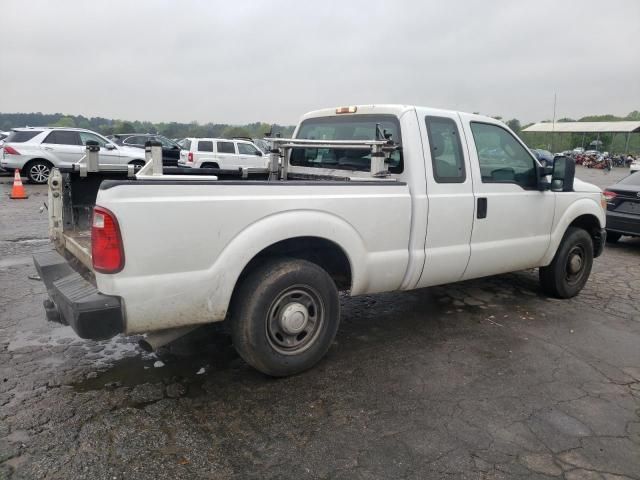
[{"x": 240, "y": 61}]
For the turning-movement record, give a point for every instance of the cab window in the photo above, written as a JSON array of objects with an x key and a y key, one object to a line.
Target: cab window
[
  {"x": 502, "y": 158},
  {"x": 446, "y": 150},
  {"x": 247, "y": 149},
  {"x": 205, "y": 146}
]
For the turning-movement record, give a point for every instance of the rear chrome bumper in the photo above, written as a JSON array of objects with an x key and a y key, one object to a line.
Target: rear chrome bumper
[{"x": 76, "y": 302}]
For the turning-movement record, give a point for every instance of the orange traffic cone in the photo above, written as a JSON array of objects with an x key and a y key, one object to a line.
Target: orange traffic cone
[{"x": 18, "y": 192}]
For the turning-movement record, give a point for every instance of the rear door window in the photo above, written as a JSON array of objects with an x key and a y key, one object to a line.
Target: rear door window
[
  {"x": 63, "y": 137},
  {"x": 205, "y": 146},
  {"x": 226, "y": 147},
  {"x": 446, "y": 150},
  {"x": 22, "y": 136}
]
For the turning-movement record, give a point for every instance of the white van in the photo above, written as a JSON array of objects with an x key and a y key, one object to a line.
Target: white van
[{"x": 221, "y": 153}]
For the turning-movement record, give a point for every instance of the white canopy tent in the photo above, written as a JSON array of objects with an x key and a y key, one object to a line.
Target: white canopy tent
[{"x": 627, "y": 127}]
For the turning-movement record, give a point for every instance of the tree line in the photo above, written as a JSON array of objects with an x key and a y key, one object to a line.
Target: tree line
[{"x": 107, "y": 126}]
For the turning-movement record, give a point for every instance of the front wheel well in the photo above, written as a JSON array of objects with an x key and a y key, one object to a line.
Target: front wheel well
[
  {"x": 591, "y": 225},
  {"x": 324, "y": 253}
]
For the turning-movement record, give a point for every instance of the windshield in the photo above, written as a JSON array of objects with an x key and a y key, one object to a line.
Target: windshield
[{"x": 350, "y": 127}]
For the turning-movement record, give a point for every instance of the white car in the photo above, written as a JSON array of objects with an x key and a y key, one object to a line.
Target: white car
[
  {"x": 372, "y": 198},
  {"x": 221, "y": 153},
  {"x": 36, "y": 150},
  {"x": 634, "y": 166}
]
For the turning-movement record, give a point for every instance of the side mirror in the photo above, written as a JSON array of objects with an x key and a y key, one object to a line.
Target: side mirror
[
  {"x": 259, "y": 153},
  {"x": 110, "y": 146},
  {"x": 564, "y": 172}
]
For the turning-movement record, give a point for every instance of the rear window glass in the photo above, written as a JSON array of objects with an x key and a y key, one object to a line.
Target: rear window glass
[
  {"x": 349, "y": 127},
  {"x": 226, "y": 147},
  {"x": 205, "y": 146},
  {"x": 633, "y": 179},
  {"x": 22, "y": 136}
]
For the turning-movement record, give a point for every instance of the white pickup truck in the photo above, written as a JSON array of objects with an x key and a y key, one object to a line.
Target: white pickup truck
[{"x": 363, "y": 199}]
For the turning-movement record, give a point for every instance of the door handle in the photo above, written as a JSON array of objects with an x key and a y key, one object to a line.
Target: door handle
[
  {"x": 48, "y": 148},
  {"x": 482, "y": 207}
]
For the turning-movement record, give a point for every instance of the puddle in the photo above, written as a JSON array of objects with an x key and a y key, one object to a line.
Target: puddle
[{"x": 183, "y": 364}]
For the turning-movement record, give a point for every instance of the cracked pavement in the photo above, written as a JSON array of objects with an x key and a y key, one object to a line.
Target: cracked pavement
[{"x": 486, "y": 379}]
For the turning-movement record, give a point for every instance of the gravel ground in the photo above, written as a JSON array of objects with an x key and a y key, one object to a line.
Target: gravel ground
[{"x": 486, "y": 379}]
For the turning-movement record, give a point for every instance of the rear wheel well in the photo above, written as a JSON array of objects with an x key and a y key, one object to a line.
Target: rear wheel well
[
  {"x": 591, "y": 225},
  {"x": 33, "y": 160},
  {"x": 209, "y": 165},
  {"x": 324, "y": 253}
]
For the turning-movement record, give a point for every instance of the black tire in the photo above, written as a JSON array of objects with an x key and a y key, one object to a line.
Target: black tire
[
  {"x": 264, "y": 335},
  {"x": 613, "y": 237},
  {"x": 37, "y": 171},
  {"x": 569, "y": 270}
]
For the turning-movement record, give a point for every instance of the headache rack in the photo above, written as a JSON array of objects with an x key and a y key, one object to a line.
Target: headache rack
[
  {"x": 280, "y": 153},
  {"x": 278, "y": 166}
]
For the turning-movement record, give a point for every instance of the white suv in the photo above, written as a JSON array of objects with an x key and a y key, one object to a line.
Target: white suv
[
  {"x": 221, "y": 153},
  {"x": 36, "y": 150}
]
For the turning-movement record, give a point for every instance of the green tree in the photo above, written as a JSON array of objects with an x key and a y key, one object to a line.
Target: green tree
[
  {"x": 67, "y": 122},
  {"x": 514, "y": 124},
  {"x": 235, "y": 131}
]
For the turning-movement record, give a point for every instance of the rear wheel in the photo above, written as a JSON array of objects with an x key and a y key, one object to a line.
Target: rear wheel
[
  {"x": 569, "y": 270},
  {"x": 284, "y": 316},
  {"x": 209, "y": 165},
  {"x": 613, "y": 237},
  {"x": 38, "y": 171}
]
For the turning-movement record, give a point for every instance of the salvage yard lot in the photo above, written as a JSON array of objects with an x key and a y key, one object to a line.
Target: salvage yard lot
[{"x": 480, "y": 379}]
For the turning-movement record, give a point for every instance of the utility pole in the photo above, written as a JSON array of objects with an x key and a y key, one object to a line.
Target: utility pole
[{"x": 553, "y": 125}]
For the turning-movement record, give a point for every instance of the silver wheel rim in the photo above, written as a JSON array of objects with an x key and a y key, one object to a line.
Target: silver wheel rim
[
  {"x": 294, "y": 320},
  {"x": 39, "y": 173}
]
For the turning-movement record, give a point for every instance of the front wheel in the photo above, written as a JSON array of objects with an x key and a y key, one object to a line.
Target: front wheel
[
  {"x": 284, "y": 316},
  {"x": 569, "y": 270}
]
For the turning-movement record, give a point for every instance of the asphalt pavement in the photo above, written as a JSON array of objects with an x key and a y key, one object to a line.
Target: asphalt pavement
[{"x": 485, "y": 379}]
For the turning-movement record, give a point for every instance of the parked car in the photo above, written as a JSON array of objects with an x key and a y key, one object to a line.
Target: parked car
[
  {"x": 422, "y": 207},
  {"x": 623, "y": 208},
  {"x": 544, "y": 156},
  {"x": 578, "y": 151},
  {"x": 634, "y": 166},
  {"x": 221, "y": 153},
  {"x": 170, "y": 149},
  {"x": 36, "y": 150}
]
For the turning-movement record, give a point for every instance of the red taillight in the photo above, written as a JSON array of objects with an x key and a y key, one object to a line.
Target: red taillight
[
  {"x": 609, "y": 195},
  {"x": 190, "y": 157},
  {"x": 106, "y": 242},
  {"x": 10, "y": 150}
]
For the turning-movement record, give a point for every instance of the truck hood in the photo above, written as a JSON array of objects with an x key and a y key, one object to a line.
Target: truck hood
[{"x": 581, "y": 186}]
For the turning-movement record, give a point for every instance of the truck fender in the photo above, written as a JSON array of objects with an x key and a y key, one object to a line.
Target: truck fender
[
  {"x": 253, "y": 239},
  {"x": 583, "y": 206}
]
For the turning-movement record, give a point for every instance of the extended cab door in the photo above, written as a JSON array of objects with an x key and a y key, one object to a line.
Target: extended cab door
[
  {"x": 450, "y": 197},
  {"x": 513, "y": 219},
  {"x": 63, "y": 147}
]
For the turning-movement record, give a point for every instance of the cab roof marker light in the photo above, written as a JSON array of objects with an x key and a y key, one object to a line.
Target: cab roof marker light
[{"x": 340, "y": 110}]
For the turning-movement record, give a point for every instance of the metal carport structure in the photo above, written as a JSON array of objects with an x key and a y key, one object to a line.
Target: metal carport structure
[{"x": 626, "y": 126}]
